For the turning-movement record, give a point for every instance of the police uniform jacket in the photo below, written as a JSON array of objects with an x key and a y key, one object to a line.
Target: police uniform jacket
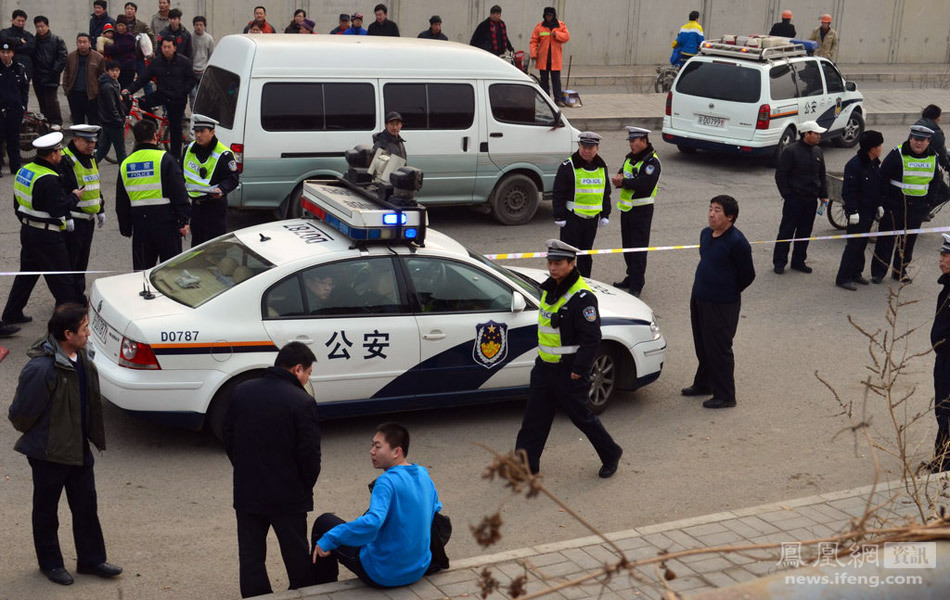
[
  {"x": 14, "y": 86},
  {"x": 801, "y": 173},
  {"x": 22, "y": 51},
  {"x": 173, "y": 188},
  {"x": 68, "y": 176},
  {"x": 49, "y": 196},
  {"x": 225, "y": 175},
  {"x": 575, "y": 327},
  {"x": 564, "y": 185},
  {"x": 647, "y": 178},
  {"x": 893, "y": 168},
  {"x": 861, "y": 189},
  {"x": 940, "y": 332}
]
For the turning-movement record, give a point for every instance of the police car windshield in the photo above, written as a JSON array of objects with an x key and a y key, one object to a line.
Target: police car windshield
[
  {"x": 525, "y": 283},
  {"x": 198, "y": 275}
]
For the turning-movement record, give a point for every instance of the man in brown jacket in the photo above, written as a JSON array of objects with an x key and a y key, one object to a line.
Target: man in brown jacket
[{"x": 81, "y": 81}]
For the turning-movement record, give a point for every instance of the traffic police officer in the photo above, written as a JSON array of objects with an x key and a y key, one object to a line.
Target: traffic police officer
[
  {"x": 582, "y": 197},
  {"x": 568, "y": 338},
  {"x": 80, "y": 175},
  {"x": 43, "y": 210},
  {"x": 14, "y": 95},
  {"x": 940, "y": 340},
  {"x": 906, "y": 176},
  {"x": 638, "y": 181},
  {"x": 210, "y": 173},
  {"x": 150, "y": 200}
]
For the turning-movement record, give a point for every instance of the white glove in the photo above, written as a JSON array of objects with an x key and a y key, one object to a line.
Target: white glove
[
  {"x": 854, "y": 219},
  {"x": 604, "y": 221},
  {"x": 880, "y": 213},
  {"x": 101, "y": 219},
  {"x": 70, "y": 225},
  {"x": 560, "y": 223}
]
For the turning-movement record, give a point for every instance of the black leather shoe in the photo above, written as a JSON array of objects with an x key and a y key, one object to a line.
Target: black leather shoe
[
  {"x": 779, "y": 269},
  {"x": 860, "y": 280},
  {"x": 102, "y": 570},
  {"x": 8, "y": 330},
  {"x": 719, "y": 403},
  {"x": 621, "y": 284},
  {"x": 19, "y": 320},
  {"x": 803, "y": 268},
  {"x": 876, "y": 280},
  {"x": 695, "y": 391},
  {"x": 847, "y": 285},
  {"x": 58, "y": 575},
  {"x": 609, "y": 468}
]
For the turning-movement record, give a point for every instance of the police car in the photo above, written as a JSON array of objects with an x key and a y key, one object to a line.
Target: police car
[{"x": 399, "y": 316}]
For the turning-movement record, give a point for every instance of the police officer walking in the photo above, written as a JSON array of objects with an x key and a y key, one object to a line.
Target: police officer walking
[
  {"x": 638, "y": 181},
  {"x": 80, "y": 175},
  {"x": 582, "y": 197},
  {"x": 210, "y": 173},
  {"x": 43, "y": 210},
  {"x": 568, "y": 337},
  {"x": 906, "y": 176},
  {"x": 14, "y": 96},
  {"x": 940, "y": 339},
  {"x": 150, "y": 200}
]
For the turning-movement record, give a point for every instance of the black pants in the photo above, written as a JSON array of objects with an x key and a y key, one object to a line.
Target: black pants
[
  {"x": 11, "y": 119},
  {"x": 327, "y": 568},
  {"x": 635, "y": 233},
  {"x": 555, "y": 77},
  {"x": 40, "y": 250},
  {"x": 49, "y": 481},
  {"x": 151, "y": 245},
  {"x": 852, "y": 258},
  {"x": 910, "y": 216},
  {"x": 82, "y": 109},
  {"x": 78, "y": 244},
  {"x": 580, "y": 232},
  {"x": 209, "y": 219},
  {"x": 714, "y": 327},
  {"x": 942, "y": 407},
  {"x": 174, "y": 111},
  {"x": 552, "y": 387},
  {"x": 291, "y": 531},
  {"x": 48, "y": 98},
  {"x": 798, "y": 218},
  {"x": 111, "y": 136}
]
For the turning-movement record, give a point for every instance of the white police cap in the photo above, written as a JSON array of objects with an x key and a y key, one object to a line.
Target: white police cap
[
  {"x": 6, "y": 46},
  {"x": 557, "y": 250},
  {"x": 919, "y": 131},
  {"x": 198, "y": 121},
  {"x": 85, "y": 131},
  {"x": 589, "y": 138},
  {"x": 635, "y": 132},
  {"x": 945, "y": 249},
  {"x": 50, "y": 141}
]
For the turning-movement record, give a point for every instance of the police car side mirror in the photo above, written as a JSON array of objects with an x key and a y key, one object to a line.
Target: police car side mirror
[
  {"x": 518, "y": 302},
  {"x": 850, "y": 86}
]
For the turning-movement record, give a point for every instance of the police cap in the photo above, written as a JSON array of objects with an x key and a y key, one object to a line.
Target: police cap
[
  {"x": 203, "y": 122},
  {"x": 393, "y": 116},
  {"x": 588, "y": 138},
  {"x": 636, "y": 132},
  {"x": 49, "y": 142},
  {"x": 919, "y": 131},
  {"x": 86, "y": 132},
  {"x": 945, "y": 249},
  {"x": 558, "y": 250},
  {"x": 5, "y": 46}
]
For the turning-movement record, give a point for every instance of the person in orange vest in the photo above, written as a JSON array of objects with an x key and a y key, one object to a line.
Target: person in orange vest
[{"x": 546, "y": 41}]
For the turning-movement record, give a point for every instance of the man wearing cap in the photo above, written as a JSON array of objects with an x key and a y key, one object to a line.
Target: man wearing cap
[
  {"x": 826, "y": 37},
  {"x": 582, "y": 197},
  {"x": 79, "y": 171},
  {"x": 434, "y": 32},
  {"x": 210, "y": 174},
  {"x": 14, "y": 95},
  {"x": 784, "y": 28},
  {"x": 356, "y": 25},
  {"x": 801, "y": 181},
  {"x": 940, "y": 340},
  {"x": 638, "y": 181},
  {"x": 491, "y": 34},
  {"x": 547, "y": 41},
  {"x": 43, "y": 210},
  {"x": 909, "y": 184},
  {"x": 150, "y": 200},
  {"x": 861, "y": 192},
  {"x": 568, "y": 338},
  {"x": 343, "y": 26},
  {"x": 389, "y": 138}
]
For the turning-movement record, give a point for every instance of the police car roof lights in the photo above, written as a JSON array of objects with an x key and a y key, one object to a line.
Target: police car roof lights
[{"x": 754, "y": 47}]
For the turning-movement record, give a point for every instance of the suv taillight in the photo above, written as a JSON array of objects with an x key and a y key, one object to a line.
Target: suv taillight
[
  {"x": 136, "y": 355},
  {"x": 238, "y": 151},
  {"x": 764, "y": 118},
  {"x": 669, "y": 103}
]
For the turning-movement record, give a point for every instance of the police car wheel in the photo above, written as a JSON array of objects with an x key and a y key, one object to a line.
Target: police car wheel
[
  {"x": 515, "y": 200},
  {"x": 603, "y": 379},
  {"x": 218, "y": 409},
  {"x": 852, "y": 131}
]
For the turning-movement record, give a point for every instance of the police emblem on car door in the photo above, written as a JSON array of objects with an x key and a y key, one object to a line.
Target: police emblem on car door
[{"x": 491, "y": 343}]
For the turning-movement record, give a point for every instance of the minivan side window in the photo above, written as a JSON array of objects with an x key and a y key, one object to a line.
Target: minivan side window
[
  {"x": 832, "y": 78},
  {"x": 809, "y": 79},
  {"x": 218, "y": 95},
  {"x": 720, "y": 81},
  {"x": 298, "y": 106},
  {"x": 431, "y": 105},
  {"x": 782, "y": 83},
  {"x": 519, "y": 104}
]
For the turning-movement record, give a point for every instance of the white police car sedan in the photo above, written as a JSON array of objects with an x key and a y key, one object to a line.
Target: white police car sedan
[{"x": 393, "y": 327}]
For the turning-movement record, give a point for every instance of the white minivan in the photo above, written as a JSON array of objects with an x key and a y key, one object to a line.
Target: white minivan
[{"x": 482, "y": 131}]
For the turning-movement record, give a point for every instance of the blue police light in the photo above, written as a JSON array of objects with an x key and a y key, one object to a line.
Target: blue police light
[
  {"x": 394, "y": 219},
  {"x": 410, "y": 233}
]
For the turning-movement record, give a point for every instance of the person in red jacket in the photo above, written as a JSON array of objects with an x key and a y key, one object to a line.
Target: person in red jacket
[{"x": 546, "y": 41}]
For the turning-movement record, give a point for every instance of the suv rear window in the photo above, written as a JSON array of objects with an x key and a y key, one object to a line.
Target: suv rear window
[
  {"x": 720, "y": 81},
  {"x": 218, "y": 95}
]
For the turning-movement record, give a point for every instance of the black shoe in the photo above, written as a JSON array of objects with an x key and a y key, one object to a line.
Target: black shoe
[
  {"x": 928, "y": 218},
  {"x": 779, "y": 269},
  {"x": 695, "y": 391},
  {"x": 18, "y": 320},
  {"x": 847, "y": 285},
  {"x": 1, "y": 174},
  {"x": 622, "y": 284},
  {"x": 102, "y": 570},
  {"x": 718, "y": 403},
  {"x": 803, "y": 268},
  {"x": 609, "y": 468},
  {"x": 8, "y": 330},
  {"x": 860, "y": 280},
  {"x": 876, "y": 279},
  {"x": 58, "y": 575},
  {"x": 635, "y": 293}
]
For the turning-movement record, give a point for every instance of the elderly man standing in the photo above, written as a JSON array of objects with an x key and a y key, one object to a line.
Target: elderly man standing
[
  {"x": 801, "y": 181},
  {"x": 491, "y": 34},
  {"x": 826, "y": 37}
]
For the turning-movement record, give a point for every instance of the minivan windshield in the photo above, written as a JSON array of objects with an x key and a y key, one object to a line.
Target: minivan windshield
[
  {"x": 720, "y": 80},
  {"x": 218, "y": 95}
]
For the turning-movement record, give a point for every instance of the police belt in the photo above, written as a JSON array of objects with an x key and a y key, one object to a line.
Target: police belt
[
  {"x": 41, "y": 224},
  {"x": 570, "y": 206}
]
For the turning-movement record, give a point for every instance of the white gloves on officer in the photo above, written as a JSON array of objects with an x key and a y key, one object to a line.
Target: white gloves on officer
[
  {"x": 101, "y": 219},
  {"x": 604, "y": 221},
  {"x": 560, "y": 223},
  {"x": 880, "y": 213},
  {"x": 70, "y": 225},
  {"x": 854, "y": 219}
]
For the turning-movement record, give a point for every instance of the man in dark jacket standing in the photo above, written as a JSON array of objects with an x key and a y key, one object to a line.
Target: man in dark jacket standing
[
  {"x": 940, "y": 340},
  {"x": 176, "y": 30},
  {"x": 14, "y": 95},
  {"x": 49, "y": 61},
  {"x": 81, "y": 80},
  {"x": 389, "y": 138},
  {"x": 434, "y": 32},
  {"x": 21, "y": 40},
  {"x": 99, "y": 18},
  {"x": 111, "y": 113},
  {"x": 801, "y": 181},
  {"x": 58, "y": 421},
  {"x": 861, "y": 192},
  {"x": 272, "y": 437},
  {"x": 491, "y": 34},
  {"x": 725, "y": 269},
  {"x": 382, "y": 25},
  {"x": 784, "y": 28}
]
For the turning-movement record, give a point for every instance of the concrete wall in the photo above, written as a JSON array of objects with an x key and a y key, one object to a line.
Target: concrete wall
[{"x": 604, "y": 32}]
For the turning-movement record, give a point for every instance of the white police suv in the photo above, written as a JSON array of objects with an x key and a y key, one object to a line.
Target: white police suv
[{"x": 399, "y": 317}]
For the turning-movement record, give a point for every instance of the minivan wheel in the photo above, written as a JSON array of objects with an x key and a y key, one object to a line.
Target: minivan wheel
[
  {"x": 603, "y": 379},
  {"x": 788, "y": 136},
  {"x": 515, "y": 200},
  {"x": 852, "y": 131},
  {"x": 291, "y": 208}
]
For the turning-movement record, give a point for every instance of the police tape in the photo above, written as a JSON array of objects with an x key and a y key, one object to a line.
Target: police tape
[
  {"x": 11, "y": 273},
  {"x": 842, "y": 236}
]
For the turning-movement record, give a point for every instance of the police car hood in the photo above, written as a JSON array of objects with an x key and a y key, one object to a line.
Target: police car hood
[{"x": 613, "y": 302}]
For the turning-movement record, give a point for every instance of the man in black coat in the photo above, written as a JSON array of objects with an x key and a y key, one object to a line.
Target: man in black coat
[
  {"x": 940, "y": 340},
  {"x": 14, "y": 95},
  {"x": 491, "y": 34},
  {"x": 272, "y": 437},
  {"x": 49, "y": 61},
  {"x": 801, "y": 181},
  {"x": 21, "y": 40},
  {"x": 382, "y": 25},
  {"x": 784, "y": 28},
  {"x": 861, "y": 192},
  {"x": 389, "y": 138},
  {"x": 434, "y": 32}
]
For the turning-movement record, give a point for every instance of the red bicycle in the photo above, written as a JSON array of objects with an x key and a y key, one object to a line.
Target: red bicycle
[{"x": 136, "y": 114}]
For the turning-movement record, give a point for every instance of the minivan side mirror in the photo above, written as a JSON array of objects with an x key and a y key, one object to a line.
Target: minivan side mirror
[
  {"x": 558, "y": 121},
  {"x": 850, "y": 86},
  {"x": 518, "y": 302}
]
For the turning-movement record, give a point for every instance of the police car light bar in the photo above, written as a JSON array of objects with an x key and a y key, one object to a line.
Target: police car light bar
[{"x": 754, "y": 47}]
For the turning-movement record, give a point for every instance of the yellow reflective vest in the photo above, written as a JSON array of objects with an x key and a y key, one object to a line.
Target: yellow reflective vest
[
  {"x": 917, "y": 175},
  {"x": 192, "y": 169},
  {"x": 26, "y": 179},
  {"x": 627, "y": 201},
  {"x": 549, "y": 337},
  {"x": 91, "y": 200},
  {"x": 141, "y": 176},
  {"x": 588, "y": 191}
]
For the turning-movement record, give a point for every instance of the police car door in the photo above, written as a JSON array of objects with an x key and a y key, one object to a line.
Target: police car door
[
  {"x": 835, "y": 116},
  {"x": 355, "y": 319},
  {"x": 812, "y": 101},
  {"x": 474, "y": 342}
]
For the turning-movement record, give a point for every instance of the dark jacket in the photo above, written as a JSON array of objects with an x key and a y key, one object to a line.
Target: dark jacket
[
  {"x": 393, "y": 145},
  {"x": 174, "y": 78},
  {"x": 428, "y": 35},
  {"x": 892, "y": 168},
  {"x": 386, "y": 28},
  {"x": 176, "y": 214},
  {"x": 575, "y": 328},
  {"x": 861, "y": 189},
  {"x": 182, "y": 39},
  {"x": 783, "y": 28},
  {"x": 111, "y": 108},
  {"x": 48, "y": 196},
  {"x": 938, "y": 142},
  {"x": 94, "y": 67},
  {"x": 124, "y": 50},
  {"x": 97, "y": 23},
  {"x": 49, "y": 60},
  {"x": 68, "y": 176},
  {"x": 646, "y": 178},
  {"x": 801, "y": 173},
  {"x": 725, "y": 266},
  {"x": 940, "y": 331},
  {"x": 482, "y": 38},
  {"x": 22, "y": 51},
  {"x": 14, "y": 86},
  {"x": 272, "y": 437},
  {"x": 225, "y": 174},
  {"x": 46, "y": 407},
  {"x": 564, "y": 185}
]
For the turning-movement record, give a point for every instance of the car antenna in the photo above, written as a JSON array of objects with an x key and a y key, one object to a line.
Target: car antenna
[
  {"x": 146, "y": 291},
  {"x": 264, "y": 238}
]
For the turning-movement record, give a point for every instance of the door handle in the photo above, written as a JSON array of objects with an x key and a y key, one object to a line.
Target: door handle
[
  {"x": 435, "y": 334},
  {"x": 303, "y": 339},
  {"x": 496, "y": 134},
  {"x": 465, "y": 144}
]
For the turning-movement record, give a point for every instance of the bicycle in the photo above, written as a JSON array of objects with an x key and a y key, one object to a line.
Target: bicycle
[
  {"x": 665, "y": 74},
  {"x": 521, "y": 61},
  {"x": 137, "y": 113}
]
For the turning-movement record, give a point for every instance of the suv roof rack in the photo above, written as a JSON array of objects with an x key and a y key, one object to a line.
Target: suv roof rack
[{"x": 742, "y": 48}]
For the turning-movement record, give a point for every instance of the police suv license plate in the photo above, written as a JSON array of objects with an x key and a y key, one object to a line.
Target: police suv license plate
[
  {"x": 712, "y": 121},
  {"x": 99, "y": 326}
]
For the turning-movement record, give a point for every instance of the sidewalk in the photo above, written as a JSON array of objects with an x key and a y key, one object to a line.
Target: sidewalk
[{"x": 794, "y": 520}]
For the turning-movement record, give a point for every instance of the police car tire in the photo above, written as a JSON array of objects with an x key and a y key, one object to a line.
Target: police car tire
[
  {"x": 515, "y": 200},
  {"x": 603, "y": 379},
  {"x": 852, "y": 131},
  {"x": 218, "y": 409}
]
